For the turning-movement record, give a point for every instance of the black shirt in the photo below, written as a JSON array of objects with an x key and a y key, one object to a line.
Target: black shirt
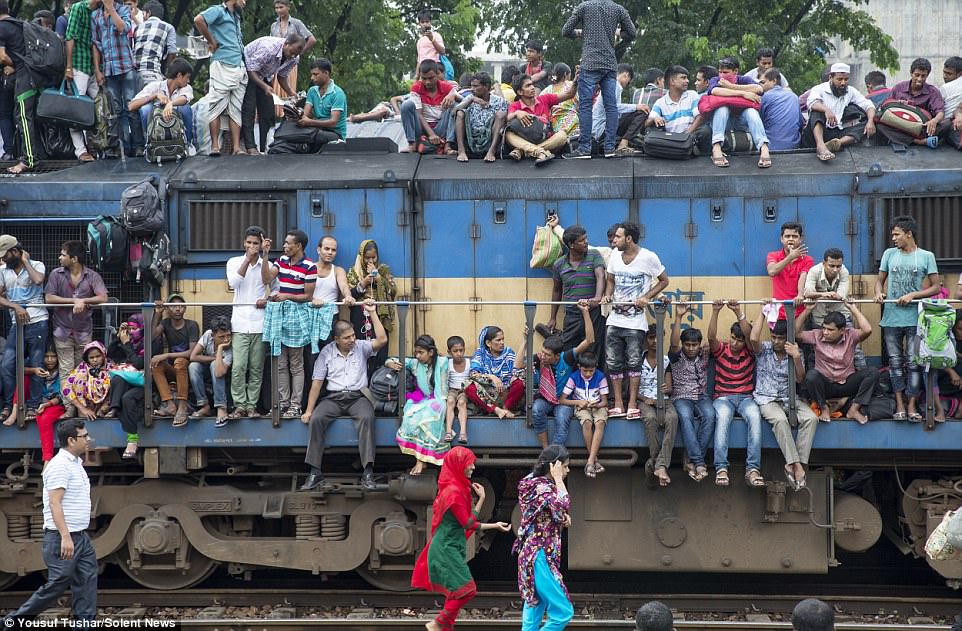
[
  {"x": 11, "y": 39},
  {"x": 180, "y": 340}
]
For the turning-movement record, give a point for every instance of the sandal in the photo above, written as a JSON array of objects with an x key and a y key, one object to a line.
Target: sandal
[
  {"x": 790, "y": 477},
  {"x": 599, "y": 468},
  {"x": 754, "y": 478},
  {"x": 690, "y": 470},
  {"x": 834, "y": 145},
  {"x": 236, "y": 414},
  {"x": 900, "y": 416},
  {"x": 589, "y": 470},
  {"x": 721, "y": 477},
  {"x": 764, "y": 163},
  {"x": 463, "y": 439},
  {"x": 915, "y": 417},
  {"x": 448, "y": 437},
  {"x": 130, "y": 452},
  {"x": 86, "y": 157},
  {"x": 633, "y": 414},
  {"x": 662, "y": 474},
  {"x": 719, "y": 161},
  {"x": 198, "y": 414},
  {"x": 701, "y": 472},
  {"x": 615, "y": 412},
  {"x": 825, "y": 156},
  {"x": 180, "y": 420},
  {"x": 516, "y": 155}
]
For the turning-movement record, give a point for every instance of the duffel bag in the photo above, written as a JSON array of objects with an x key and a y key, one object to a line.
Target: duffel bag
[
  {"x": 63, "y": 108},
  {"x": 670, "y": 145},
  {"x": 903, "y": 118}
]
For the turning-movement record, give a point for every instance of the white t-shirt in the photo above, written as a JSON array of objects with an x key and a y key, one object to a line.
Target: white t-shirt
[
  {"x": 207, "y": 341},
  {"x": 648, "y": 384},
  {"x": 952, "y": 95},
  {"x": 632, "y": 281}
]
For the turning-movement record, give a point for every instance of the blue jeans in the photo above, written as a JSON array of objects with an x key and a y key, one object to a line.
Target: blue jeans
[
  {"x": 196, "y": 372},
  {"x": 540, "y": 410},
  {"x": 412, "y": 122},
  {"x": 747, "y": 120},
  {"x": 587, "y": 81},
  {"x": 34, "y": 346},
  {"x": 900, "y": 343},
  {"x": 725, "y": 407},
  {"x": 79, "y": 573},
  {"x": 551, "y": 599},
  {"x": 186, "y": 114},
  {"x": 697, "y": 434},
  {"x": 123, "y": 88}
]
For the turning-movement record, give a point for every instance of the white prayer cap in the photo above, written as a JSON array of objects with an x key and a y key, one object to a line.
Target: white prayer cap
[{"x": 840, "y": 67}]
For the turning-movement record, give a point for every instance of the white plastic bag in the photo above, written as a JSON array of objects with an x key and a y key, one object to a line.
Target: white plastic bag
[{"x": 937, "y": 546}]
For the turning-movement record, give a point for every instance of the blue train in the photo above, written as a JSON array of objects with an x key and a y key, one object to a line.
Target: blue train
[{"x": 201, "y": 497}]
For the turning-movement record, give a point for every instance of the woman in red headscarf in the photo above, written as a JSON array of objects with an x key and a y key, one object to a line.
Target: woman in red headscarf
[{"x": 442, "y": 566}]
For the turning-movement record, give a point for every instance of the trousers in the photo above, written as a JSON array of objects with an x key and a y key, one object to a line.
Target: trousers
[
  {"x": 328, "y": 410},
  {"x": 247, "y": 369},
  {"x": 551, "y": 600}
]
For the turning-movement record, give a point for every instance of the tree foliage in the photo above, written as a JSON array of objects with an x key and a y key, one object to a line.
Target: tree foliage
[{"x": 696, "y": 32}]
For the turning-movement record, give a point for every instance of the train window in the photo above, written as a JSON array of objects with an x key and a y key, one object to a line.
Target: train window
[
  {"x": 940, "y": 224},
  {"x": 207, "y": 218}
]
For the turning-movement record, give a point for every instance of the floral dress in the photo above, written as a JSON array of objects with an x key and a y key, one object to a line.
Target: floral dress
[{"x": 543, "y": 512}]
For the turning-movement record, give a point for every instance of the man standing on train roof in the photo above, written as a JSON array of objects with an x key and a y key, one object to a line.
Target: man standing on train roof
[
  {"x": 343, "y": 364},
  {"x": 67, "y": 550},
  {"x": 220, "y": 25},
  {"x": 598, "y": 21},
  {"x": 578, "y": 275},
  {"x": 828, "y": 130}
]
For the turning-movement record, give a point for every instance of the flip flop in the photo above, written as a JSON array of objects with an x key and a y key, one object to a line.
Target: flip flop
[
  {"x": 448, "y": 437},
  {"x": 764, "y": 163},
  {"x": 663, "y": 479},
  {"x": 720, "y": 161},
  {"x": 463, "y": 439},
  {"x": 615, "y": 412},
  {"x": 754, "y": 478},
  {"x": 900, "y": 416},
  {"x": 180, "y": 420},
  {"x": 701, "y": 472},
  {"x": 834, "y": 145},
  {"x": 633, "y": 414},
  {"x": 915, "y": 417},
  {"x": 825, "y": 156},
  {"x": 791, "y": 478},
  {"x": 130, "y": 454}
]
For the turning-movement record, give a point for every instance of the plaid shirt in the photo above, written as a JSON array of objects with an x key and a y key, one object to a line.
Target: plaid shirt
[
  {"x": 114, "y": 45},
  {"x": 265, "y": 56},
  {"x": 296, "y": 324},
  {"x": 78, "y": 29},
  {"x": 153, "y": 41}
]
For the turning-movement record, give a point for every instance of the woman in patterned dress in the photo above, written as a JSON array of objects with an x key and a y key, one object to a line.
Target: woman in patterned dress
[
  {"x": 442, "y": 566},
  {"x": 544, "y": 513}
]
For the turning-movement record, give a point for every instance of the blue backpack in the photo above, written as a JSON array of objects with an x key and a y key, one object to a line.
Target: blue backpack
[{"x": 448, "y": 67}]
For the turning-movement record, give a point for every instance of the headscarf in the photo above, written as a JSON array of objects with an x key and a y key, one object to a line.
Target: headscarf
[
  {"x": 135, "y": 327},
  {"x": 454, "y": 488},
  {"x": 484, "y": 362},
  {"x": 382, "y": 289},
  {"x": 87, "y": 385}
]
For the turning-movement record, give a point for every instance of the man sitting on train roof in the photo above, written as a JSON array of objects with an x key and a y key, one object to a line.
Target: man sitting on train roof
[
  {"x": 343, "y": 364},
  {"x": 677, "y": 111},
  {"x": 916, "y": 91},
  {"x": 479, "y": 121},
  {"x": 834, "y": 374},
  {"x": 731, "y": 84},
  {"x": 428, "y": 111},
  {"x": 951, "y": 92},
  {"x": 832, "y": 124},
  {"x": 174, "y": 94}
]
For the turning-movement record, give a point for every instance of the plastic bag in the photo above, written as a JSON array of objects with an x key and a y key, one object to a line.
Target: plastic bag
[
  {"x": 937, "y": 546},
  {"x": 546, "y": 248},
  {"x": 953, "y": 529}
]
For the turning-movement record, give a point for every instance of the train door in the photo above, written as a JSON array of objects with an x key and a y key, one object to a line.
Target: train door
[{"x": 664, "y": 223}]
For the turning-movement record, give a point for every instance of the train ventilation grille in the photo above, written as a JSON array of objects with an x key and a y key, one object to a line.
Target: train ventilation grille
[
  {"x": 216, "y": 224},
  {"x": 940, "y": 224}
]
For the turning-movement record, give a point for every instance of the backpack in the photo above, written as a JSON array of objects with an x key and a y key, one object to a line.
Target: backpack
[
  {"x": 384, "y": 389},
  {"x": 448, "y": 67},
  {"x": 43, "y": 50},
  {"x": 154, "y": 263},
  {"x": 105, "y": 134},
  {"x": 936, "y": 347},
  {"x": 107, "y": 244},
  {"x": 669, "y": 145},
  {"x": 165, "y": 139},
  {"x": 141, "y": 211}
]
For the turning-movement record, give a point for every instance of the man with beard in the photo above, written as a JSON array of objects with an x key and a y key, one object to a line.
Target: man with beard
[{"x": 829, "y": 127}]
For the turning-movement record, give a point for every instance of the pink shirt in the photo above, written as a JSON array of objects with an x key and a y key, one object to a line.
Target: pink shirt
[
  {"x": 836, "y": 362},
  {"x": 785, "y": 283},
  {"x": 426, "y": 49}
]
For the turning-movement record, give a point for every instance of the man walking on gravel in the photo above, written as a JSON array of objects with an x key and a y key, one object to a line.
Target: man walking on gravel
[{"x": 67, "y": 550}]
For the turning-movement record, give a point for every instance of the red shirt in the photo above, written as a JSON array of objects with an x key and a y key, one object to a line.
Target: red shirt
[
  {"x": 785, "y": 283},
  {"x": 443, "y": 88},
  {"x": 734, "y": 374},
  {"x": 542, "y": 107}
]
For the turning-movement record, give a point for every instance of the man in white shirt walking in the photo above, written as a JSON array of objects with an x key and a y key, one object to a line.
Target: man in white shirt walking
[{"x": 67, "y": 550}]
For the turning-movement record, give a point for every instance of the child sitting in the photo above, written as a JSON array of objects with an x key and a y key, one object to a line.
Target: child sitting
[
  {"x": 587, "y": 392},
  {"x": 458, "y": 369},
  {"x": 689, "y": 392},
  {"x": 212, "y": 354},
  {"x": 50, "y": 409},
  {"x": 88, "y": 386}
]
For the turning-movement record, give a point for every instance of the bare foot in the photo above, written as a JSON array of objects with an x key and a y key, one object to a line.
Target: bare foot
[
  {"x": 462, "y": 157},
  {"x": 417, "y": 469},
  {"x": 433, "y": 626},
  {"x": 858, "y": 416},
  {"x": 825, "y": 417},
  {"x": 501, "y": 413},
  {"x": 18, "y": 168},
  {"x": 509, "y": 414}
]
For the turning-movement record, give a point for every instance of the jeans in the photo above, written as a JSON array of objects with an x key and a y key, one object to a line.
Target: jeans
[
  {"x": 34, "y": 346},
  {"x": 900, "y": 343},
  {"x": 412, "y": 122},
  {"x": 748, "y": 119},
  {"x": 697, "y": 437},
  {"x": 551, "y": 599},
  {"x": 79, "y": 573},
  {"x": 587, "y": 81},
  {"x": 540, "y": 410},
  {"x": 196, "y": 371},
  {"x": 623, "y": 351},
  {"x": 725, "y": 407},
  {"x": 186, "y": 114},
  {"x": 123, "y": 88}
]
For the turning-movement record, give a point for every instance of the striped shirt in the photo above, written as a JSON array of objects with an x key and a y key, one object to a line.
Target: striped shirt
[
  {"x": 265, "y": 56},
  {"x": 689, "y": 377},
  {"x": 78, "y": 29},
  {"x": 734, "y": 374},
  {"x": 66, "y": 471},
  {"x": 113, "y": 44},
  {"x": 154, "y": 40},
  {"x": 293, "y": 276},
  {"x": 577, "y": 280},
  {"x": 594, "y": 390},
  {"x": 678, "y": 114}
]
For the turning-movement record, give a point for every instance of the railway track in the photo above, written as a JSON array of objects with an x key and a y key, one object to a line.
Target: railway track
[{"x": 483, "y": 625}]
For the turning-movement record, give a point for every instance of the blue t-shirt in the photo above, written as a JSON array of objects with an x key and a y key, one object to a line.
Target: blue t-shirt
[
  {"x": 782, "y": 118},
  {"x": 906, "y": 273},
  {"x": 322, "y": 106},
  {"x": 225, "y": 27}
]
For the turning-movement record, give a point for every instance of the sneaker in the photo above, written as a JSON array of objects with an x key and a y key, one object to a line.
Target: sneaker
[
  {"x": 292, "y": 412},
  {"x": 610, "y": 153},
  {"x": 577, "y": 154}
]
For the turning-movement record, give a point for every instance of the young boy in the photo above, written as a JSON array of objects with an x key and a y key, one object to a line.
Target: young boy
[
  {"x": 689, "y": 392},
  {"x": 458, "y": 370},
  {"x": 179, "y": 336},
  {"x": 587, "y": 392},
  {"x": 174, "y": 94},
  {"x": 660, "y": 460},
  {"x": 734, "y": 384},
  {"x": 213, "y": 352}
]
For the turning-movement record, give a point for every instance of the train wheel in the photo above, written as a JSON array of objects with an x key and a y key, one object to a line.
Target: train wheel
[
  {"x": 165, "y": 579},
  {"x": 158, "y": 555},
  {"x": 389, "y": 580}
]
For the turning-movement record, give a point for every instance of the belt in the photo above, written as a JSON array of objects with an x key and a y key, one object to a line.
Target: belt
[{"x": 78, "y": 532}]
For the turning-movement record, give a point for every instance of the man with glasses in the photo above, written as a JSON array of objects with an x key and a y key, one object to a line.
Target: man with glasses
[{"x": 67, "y": 550}]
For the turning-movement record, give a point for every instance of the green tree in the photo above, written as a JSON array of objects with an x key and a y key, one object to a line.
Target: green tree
[{"x": 696, "y": 32}]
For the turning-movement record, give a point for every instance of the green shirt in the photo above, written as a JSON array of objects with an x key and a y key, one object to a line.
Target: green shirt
[
  {"x": 322, "y": 106},
  {"x": 78, "y": 29},
  {"x": 906, "y": 273}
]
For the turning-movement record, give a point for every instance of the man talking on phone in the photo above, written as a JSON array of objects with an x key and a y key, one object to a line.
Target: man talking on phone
[
  {"x": 788, "y": 268},
  {"x": 430, "y": 45}
]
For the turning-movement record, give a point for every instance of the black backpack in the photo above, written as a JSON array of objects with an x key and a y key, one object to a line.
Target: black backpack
[
  {"x": 154, "y": 260},
  {"x": 384, "y": 389},
  {"x": 165, "y": 139},
  {"x": 107, "y": 244},
  {"x": 44, "y": 51},
  {"x": 141, "y": 210}
]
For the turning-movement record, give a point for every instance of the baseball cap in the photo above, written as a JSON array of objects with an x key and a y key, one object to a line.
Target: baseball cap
[{"x": 7, "y": 242}]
